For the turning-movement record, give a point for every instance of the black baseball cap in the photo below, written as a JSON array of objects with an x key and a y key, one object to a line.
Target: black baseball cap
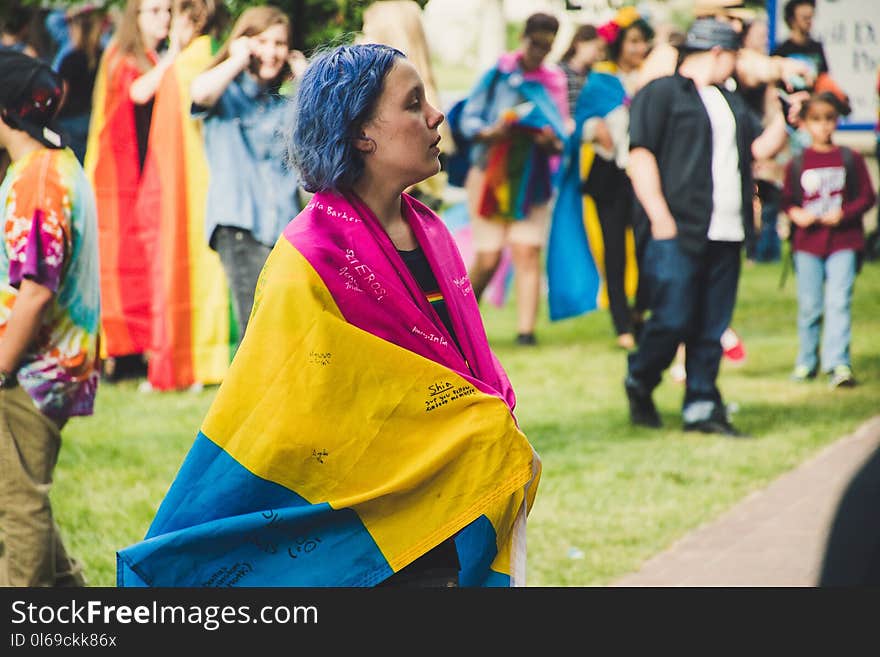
[
  {"x": 31, "y": 94},
  {"x": 708, "y": 33}
]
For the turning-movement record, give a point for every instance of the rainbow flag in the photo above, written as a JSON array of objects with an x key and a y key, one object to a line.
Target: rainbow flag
[
  {"x": 112, "y": 165},
  {"x": 576, "y": 247},
  {"x": 352, "y": 434},
  {"x": 518, "y": 172},
  {"x": 193, "y": 333}
]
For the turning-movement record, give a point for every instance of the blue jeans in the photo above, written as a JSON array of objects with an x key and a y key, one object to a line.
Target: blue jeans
[
  {"x": 691, "y": 302},
  {"x": 824, "y": 292},
  {"x": 768, "y": 246}
]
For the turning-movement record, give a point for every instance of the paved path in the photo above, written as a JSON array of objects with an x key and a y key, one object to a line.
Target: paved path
[{"x": 776, "y": 536}]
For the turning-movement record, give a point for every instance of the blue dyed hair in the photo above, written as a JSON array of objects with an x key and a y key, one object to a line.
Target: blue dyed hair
[{"x": 338, "y": 93}]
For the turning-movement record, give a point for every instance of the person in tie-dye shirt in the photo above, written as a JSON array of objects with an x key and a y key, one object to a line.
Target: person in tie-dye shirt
[{"x": 49, "y": 318}]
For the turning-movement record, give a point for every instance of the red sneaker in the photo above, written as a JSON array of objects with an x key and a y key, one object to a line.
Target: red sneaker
[{"x": 732, "y": 344}]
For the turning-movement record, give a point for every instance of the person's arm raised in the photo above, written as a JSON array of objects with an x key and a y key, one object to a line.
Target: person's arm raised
[
  {"x": 774, "y": 136},
  {"x": 208, "y": 87},
  {"x": 144, "y": 88}
]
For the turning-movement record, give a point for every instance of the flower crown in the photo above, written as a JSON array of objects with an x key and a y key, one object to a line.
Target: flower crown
[{"x": 625, "y": 17}]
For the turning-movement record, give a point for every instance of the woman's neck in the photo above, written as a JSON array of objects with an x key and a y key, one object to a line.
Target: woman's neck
[
  {"x": 578, "y": 66},
  {"x": 384, "y": 200},
  {"x": 799, "y": 37},
  {"x": 19, "y": 145}
]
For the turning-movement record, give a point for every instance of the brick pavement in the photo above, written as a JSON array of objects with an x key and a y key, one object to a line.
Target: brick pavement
[{"x": 774, "y": 537}]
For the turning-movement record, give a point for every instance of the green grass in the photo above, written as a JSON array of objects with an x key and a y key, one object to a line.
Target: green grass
[{"x": 617, "y": 494}]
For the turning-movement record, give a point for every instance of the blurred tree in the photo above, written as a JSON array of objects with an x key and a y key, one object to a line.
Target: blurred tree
[{"x": 315, "y": 22}]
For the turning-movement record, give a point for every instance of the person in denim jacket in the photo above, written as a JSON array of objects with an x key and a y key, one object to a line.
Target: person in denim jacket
[{"x": 252, "y": 193}]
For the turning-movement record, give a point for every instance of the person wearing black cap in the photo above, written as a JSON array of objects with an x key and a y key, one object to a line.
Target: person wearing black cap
[
  {"x": 691, "y": 146},
  {"x": 49, "y": 309}
]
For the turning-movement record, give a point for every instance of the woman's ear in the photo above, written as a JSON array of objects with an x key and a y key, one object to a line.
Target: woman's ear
[{"x": 364, "y": 144}]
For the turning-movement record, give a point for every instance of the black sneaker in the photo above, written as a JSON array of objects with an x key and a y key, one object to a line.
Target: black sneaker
[
  {"x": 717, "y": 424},
  {"x": 642, "y": 411},
  {"x": 527, "y": 339}
]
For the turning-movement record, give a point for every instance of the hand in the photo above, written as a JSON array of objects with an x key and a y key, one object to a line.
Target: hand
[
  {"x": 241, "y": 51},
  {"x": 832, "y": 217},
  {"x": 795, "y": 102},
  {"x": 548, "y": 141},
  {"x": 603, "y": 136},
  {"x": 297, "y": 62},
  {"x": 664, "y": 230},
  {"x": 802, "y": 218},
  {"x": 182, "y": 33},
  {"x": 500, "y": 130},
  {"x": 792, "y": 69}
]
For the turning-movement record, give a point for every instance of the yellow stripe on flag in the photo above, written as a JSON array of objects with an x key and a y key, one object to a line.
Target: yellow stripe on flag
[{"x": 339, "y": 415}]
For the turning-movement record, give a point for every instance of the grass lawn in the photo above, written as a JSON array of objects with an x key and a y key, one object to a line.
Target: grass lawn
[{"x": 610, "y": 496}]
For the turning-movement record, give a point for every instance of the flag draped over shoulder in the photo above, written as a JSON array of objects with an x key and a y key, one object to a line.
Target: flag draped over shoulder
[
  {"x": 192, "y": 335},
  {"x": 112, "y": 164},
  {"x": 352, "y": 433},
  {"x": 575, "y": 249},
  {"x": 518, "y": 172}
]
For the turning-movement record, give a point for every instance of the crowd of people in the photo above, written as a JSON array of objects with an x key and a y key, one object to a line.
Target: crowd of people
[
  {"x": 224, "y": 196},
  {"x": 678, "y": 151}
]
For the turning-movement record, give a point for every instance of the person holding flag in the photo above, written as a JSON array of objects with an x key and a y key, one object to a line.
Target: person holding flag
[
  {"x": 365, "y": 432},
  {"x": 128, "y": 75},
  {"x": 518, "y": 115},
  {"x": 591, "y": 258},
  {"x": 191, "y": 335}
]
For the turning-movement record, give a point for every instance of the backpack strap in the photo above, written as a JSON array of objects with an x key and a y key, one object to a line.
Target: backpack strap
[
  {"x": 852, "y": 175},
  {"x": 794, "y": 178}
]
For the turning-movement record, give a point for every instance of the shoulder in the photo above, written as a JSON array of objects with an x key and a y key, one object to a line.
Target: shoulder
[
  {"x": 41, "y": 171},
  {"x": 555, "y": 71},
  {"x": 662, "y": 87},
  {"x": 783, "y": 48}
]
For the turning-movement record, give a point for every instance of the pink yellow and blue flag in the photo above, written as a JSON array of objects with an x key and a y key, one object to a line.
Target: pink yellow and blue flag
[{"x": 352, "y": 434}]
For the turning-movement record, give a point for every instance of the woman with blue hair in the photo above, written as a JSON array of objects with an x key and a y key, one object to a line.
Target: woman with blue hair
[{"x": 365, "y": 432}]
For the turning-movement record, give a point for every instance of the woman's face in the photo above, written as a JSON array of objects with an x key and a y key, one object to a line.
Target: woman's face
[
  {"x": 634, "y": 49},
  {"x": 403, "y": 131},
  {"x": 154, "y": 21},
  {"x": 535, "y": 48},
  {"x": 270, "y": 49},
  {"x": 589, "y": 52}
]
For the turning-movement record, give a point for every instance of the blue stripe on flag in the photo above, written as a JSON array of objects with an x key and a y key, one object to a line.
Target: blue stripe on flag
[
  {"x": 221, "y": 525},
  {"x": 476, "y": 545}
]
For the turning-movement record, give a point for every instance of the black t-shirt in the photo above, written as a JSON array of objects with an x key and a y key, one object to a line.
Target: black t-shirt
[
  {"x": 811, "y": 50},
  {"x": 418, "y": 265},
  {"x": 80, "y": 78},
  {"x": 143, "y": 117},
  {"x": 668, "y": 118}
]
